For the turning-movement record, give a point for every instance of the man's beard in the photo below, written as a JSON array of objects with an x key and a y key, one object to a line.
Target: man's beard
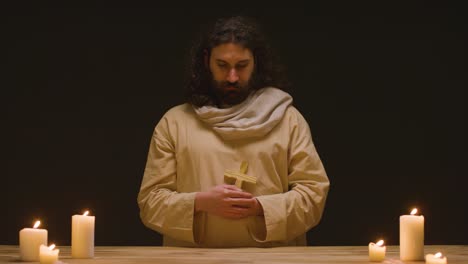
[{"x": 230, "y": 93}]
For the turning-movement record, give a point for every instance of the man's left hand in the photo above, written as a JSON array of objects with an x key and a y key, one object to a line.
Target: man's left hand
[{"x": 253, "y": 206}]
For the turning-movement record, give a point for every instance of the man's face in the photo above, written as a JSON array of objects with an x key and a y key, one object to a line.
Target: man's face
[{"x": 231, "y": 66}]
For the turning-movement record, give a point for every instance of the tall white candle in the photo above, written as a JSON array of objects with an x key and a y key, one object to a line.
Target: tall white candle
[
  {"x": 48, "y": 255},
  {"x": 82, "y": 236},
  {"x": 30, "y": 239},
  {"x": 436, "y": 259},
  {"x": 412, "y": 236},
  {"x": 377, "y": 251}
]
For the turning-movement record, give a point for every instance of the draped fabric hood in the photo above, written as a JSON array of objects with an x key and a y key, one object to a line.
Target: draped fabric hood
[{"x": 261, "y": 111}]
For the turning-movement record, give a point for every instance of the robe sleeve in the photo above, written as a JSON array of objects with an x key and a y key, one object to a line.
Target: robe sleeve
[
  {"x": 292, "y": 213},
  {"x": 162, "y": 208}
]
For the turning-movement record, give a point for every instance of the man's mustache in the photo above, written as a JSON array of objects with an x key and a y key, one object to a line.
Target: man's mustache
[{"x": 229, "y": 84}]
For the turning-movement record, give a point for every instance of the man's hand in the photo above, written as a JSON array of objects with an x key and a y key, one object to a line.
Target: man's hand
[{"x": 227, "y": 201}]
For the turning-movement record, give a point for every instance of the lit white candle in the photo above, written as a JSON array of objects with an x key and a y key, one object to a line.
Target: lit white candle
[
  {"x": 377, "y": 251},
  {"x": 30, "y": 239},
  {"x": 436, "y": 259},
  {"x": 412, "y": 236},
  {"x": 48, "y": 255},
  {"x": 82, "y": 244}
]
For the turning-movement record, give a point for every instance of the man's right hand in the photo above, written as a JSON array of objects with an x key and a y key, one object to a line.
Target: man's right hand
[{"x": 226, "y": 201}]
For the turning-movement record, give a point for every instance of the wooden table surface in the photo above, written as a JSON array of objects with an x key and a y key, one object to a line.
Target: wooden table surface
[{"x": 169, "y": 255}]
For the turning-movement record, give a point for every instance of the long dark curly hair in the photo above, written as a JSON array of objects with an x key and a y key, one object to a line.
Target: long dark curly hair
[{"x": 238, "y": 30}]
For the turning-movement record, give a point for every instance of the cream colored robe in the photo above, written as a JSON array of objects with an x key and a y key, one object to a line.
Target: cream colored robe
[{"x": 187, "y": 156}]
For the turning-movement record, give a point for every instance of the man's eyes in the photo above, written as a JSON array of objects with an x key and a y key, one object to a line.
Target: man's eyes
[{"x": 239, "y": 66}]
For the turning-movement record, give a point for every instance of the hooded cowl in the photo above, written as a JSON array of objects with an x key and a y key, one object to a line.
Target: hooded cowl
[{"x": 256, "y": 116}]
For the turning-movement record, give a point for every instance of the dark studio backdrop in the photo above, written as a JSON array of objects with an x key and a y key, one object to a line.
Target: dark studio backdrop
[{"x": 381, "y": 85}]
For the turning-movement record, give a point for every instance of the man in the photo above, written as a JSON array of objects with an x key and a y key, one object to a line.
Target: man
[{"x": 234, "y": 120}]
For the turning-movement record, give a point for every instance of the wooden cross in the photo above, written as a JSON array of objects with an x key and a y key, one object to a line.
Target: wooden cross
[{"x": 240, "y": 177}]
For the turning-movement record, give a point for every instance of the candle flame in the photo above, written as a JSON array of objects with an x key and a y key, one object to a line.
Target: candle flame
[
  {"x": 36, "y": 225},
  {"x": 86, "y": 213},
  {"x": 438, "y": 255},
  {"x": 51, "y": 246},
  {"x": 380, "y": 243},
  {"x": 414, "y": 211}
]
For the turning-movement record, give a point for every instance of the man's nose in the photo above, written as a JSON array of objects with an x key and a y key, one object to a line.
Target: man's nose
[{"x": 232, "y": 76}]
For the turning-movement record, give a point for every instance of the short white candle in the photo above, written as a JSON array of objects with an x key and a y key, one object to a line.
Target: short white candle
[
  {"x": 30, "y": 239},
  {"x": 82, "y": 244},
  {"x": 48, "y": 255},
  {"x": 377, "y": 251},
  {"x": 436, "y": 259},
  {"x": 412, "y": 236}
]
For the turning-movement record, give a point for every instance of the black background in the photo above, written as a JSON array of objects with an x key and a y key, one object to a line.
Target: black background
[{"x": 381, "y": 85}]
